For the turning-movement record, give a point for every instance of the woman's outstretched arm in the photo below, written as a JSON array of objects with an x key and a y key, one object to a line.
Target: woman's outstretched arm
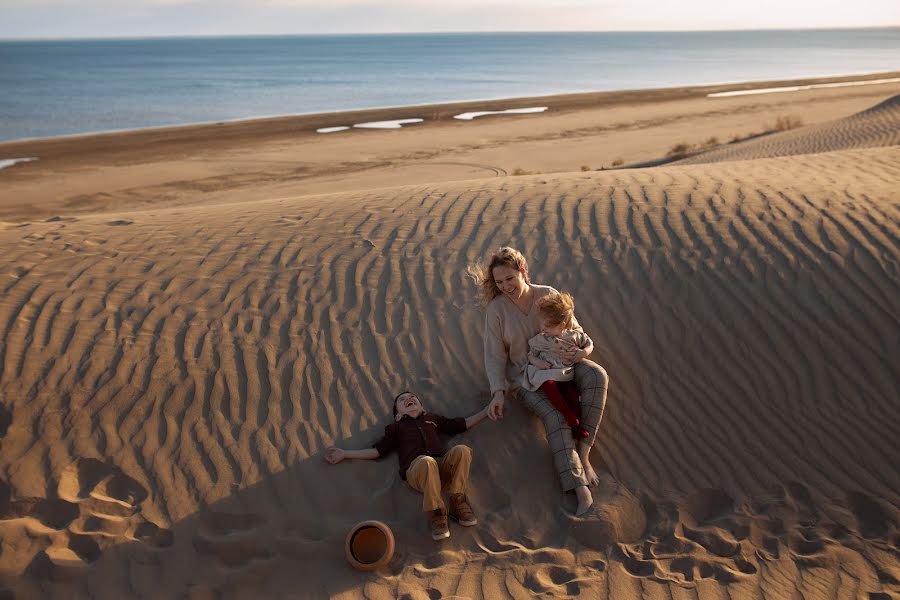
[{"x": 495, "y": 359}]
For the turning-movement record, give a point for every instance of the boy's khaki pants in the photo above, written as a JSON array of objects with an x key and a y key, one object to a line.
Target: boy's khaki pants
[{"x": 430, "y": 475}]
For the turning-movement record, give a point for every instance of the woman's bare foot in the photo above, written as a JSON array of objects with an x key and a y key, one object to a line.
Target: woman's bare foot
[
  {"x": 589, "y": 472},
  {"x": 585, "y": 500}
]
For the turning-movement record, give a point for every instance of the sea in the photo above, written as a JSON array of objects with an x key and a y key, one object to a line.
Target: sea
[{"x": 63, "y": 87}]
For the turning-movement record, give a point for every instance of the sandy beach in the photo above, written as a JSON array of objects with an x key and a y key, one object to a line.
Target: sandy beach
[{"x": 190, "y": 316}]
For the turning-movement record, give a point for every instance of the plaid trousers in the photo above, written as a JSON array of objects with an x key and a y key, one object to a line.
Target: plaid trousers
[{"x": 593, "y": 383}]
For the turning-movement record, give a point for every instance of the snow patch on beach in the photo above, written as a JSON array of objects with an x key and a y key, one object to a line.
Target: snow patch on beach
[
  {"x": 797, "y": 88},
  {"x": 510, "y": 111},
  {"x": 332, "y": 129},
  {"x": 8, "y": 162},
  {"x": 396, "y": 124}
]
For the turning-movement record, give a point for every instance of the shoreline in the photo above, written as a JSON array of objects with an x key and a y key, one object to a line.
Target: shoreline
[
  {"x": 273, "y": 127},
  {"x": 285, "y": 156},
  {"x": 813, "y": 80}
]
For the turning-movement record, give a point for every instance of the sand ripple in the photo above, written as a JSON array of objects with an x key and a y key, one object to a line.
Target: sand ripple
[{"x": 170, "y": 377}]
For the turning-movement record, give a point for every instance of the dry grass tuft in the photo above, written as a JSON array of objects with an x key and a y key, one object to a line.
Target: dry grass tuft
[
  {"x": 785, "y": 122},
  {"x": 679, "y": 150}
]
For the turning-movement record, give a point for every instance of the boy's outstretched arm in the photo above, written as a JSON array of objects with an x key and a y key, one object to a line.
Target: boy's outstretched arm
[
  {"x": 334, "y": 455},
  {"x": 473, "y": 420}
]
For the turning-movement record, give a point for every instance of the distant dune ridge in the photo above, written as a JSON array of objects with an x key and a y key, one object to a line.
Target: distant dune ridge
[
  {"x": 872, "y": 128},
  {"x": 170, "y": 378}
]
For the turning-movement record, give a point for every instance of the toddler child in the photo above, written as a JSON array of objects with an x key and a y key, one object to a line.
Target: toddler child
[{"x": 547, "y": 369}]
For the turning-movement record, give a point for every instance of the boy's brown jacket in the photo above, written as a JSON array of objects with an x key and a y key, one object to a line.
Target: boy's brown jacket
[{"x": 415, "y": 437}]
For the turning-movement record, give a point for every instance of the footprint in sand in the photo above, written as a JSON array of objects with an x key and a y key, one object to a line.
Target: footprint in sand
[
  {"x": 88, "y": 478},
  {"x": 633, "y": 564},
  {"x": 714, "y": 541},
  {"x": 800, "y": 499},
  {"x": 668, "y": 546},
  {"x": 95, "y": 525},
  {"x": 706, "y": 506},
  {"x": 618, "y": 516},
  {"x": 98, "y": 505},
  {"x": 152, "y": 534},
  {"x": 546, "y": 579},
  {"x": 769, "y": 549},
  {"x": 708, "y": 536},
  {"x": 84, "y": 546},
  {"x": 5, "y": 420},
  {"x": 806, "y": 542},
  {"x": 46, "y": 514},
  {"x": 233, "y": 539},
  {"x": 700, "y": 537},
  {"x": 873, "y": 520},
  {"x": 68, "y": 557},
  {"x": 433, "y": 594},
  {"x": 687, "y": 569},
  {"x": 56, "y": 564}
]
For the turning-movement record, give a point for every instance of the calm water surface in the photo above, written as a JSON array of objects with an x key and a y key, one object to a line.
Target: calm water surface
[{"x": 50, "y": 88}]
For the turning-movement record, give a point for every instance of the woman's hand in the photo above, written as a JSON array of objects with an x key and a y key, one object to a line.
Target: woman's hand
[
  {"x": 335, "y": 455},
  {"x": 495, "y": 408},
  {"x": 573, "y": 356}
]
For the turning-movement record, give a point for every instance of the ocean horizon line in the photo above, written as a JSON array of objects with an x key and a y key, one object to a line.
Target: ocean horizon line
[{"x": 204, "y": 36}]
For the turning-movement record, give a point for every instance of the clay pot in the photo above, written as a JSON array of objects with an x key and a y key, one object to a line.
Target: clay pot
[{"x": 369, "y": 546}]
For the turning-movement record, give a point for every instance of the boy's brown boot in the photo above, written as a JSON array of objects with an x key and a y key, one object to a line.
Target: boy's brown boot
[
  {"x": 439, "y": 528},
  {"x": 461, "y": 512}
]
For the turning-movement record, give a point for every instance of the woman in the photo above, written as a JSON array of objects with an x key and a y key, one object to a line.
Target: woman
[{"x": 511, "y": 319}]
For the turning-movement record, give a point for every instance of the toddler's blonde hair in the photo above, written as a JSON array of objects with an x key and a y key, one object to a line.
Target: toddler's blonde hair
[{"x": 558, "y": 308}]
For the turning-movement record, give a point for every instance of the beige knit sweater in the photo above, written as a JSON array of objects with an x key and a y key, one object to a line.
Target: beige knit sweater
[
  {"x": 506, "y": 333},
  {"x": 550, "y": 348}
]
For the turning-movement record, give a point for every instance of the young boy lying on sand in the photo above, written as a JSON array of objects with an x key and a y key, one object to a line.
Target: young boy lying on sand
[{"x": 424, "y": 463}]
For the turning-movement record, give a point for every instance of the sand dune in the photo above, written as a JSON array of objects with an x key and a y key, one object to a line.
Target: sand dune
[
  {"x": 170, "y": 378},
  {"x": 872, "y": 128}
]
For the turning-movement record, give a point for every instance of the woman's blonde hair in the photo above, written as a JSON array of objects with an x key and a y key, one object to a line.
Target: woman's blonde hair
[
  {"x": 484, "y": 276},
  {"x": 558, "y": 308}
]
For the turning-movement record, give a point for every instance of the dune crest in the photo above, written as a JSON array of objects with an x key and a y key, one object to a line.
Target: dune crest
[{"x": 874, "y": 127}]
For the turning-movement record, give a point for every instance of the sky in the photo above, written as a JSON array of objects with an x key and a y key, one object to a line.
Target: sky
[{"x": 142, "y": 18}]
